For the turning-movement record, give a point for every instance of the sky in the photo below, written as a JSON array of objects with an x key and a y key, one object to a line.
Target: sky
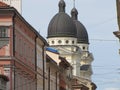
[{"x": 100, "y": 19}]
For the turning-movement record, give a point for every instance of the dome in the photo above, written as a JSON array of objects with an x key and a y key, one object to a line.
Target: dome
[
  {"x": 82, "y": 35},
  {"x": 62, "y": 24}
]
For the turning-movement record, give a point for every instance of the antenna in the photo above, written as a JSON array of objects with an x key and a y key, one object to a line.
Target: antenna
[{"x": 74, "y": 3}]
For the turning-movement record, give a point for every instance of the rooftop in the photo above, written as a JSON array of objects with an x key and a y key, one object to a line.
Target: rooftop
[{"x": 2, "y": 4}]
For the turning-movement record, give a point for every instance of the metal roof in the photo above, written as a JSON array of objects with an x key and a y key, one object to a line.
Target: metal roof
[
  {"x": 62, "y": 24},
  {"x": 82, "y": 35},
  {"x": 52, "y": 50}
]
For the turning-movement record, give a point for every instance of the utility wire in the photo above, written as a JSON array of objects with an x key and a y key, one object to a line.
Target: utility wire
[
  {"x": 103, "y": 22},
  {"x": 106, "y": 40},
  {"x": 106, "y": 66}
]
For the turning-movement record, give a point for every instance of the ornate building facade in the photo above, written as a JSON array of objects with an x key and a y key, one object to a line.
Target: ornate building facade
[
  {"x": 83, "y": 44},
  {"x": 69, "y": 36}
]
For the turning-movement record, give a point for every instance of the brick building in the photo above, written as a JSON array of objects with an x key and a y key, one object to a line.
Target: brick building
[
  {"x": 20, "y": 48},
  {"x": 59, "y": 71}
]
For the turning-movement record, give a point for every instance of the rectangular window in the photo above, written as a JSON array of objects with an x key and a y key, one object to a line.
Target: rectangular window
[{"x": 3, "y": 31}]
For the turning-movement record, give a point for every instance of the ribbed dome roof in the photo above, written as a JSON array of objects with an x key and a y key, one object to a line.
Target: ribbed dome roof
[
  {"x": 82, "y": 35},
  {"x": 61, "y": 24}
]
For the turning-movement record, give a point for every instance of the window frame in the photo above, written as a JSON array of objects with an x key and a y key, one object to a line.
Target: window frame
[{"x": 4, "y": 32}]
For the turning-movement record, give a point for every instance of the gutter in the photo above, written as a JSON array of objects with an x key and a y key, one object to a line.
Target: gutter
[
  {"x": 36, "y": 60},
  {"x": 13, "y": 54},
  {"x": 13, "y": 20},
  {"x": 12, "y": 9}
]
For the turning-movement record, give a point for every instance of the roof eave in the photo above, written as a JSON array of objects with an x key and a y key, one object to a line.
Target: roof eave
[{"x": 18, "y": 14}]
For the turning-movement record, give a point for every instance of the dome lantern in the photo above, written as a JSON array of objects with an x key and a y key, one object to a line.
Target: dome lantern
[
  {"x": 61, "y": 6},
  {"x": 74, "y": 13}
]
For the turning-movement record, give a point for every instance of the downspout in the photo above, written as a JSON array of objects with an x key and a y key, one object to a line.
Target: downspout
[
  {"x": 43, "y": 55},
  {"x": 13, "y": 66},
  {"x": 13, "y": 19},
  {"x": 36, "y": 61},
  {"x": 49, "y": 78},
  {"x": 56, "y": 79}
]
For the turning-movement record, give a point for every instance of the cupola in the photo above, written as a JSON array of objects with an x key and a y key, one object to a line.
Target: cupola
[
  {"x": 82, "y": 35},
  {"x": 62, "y": 24}
]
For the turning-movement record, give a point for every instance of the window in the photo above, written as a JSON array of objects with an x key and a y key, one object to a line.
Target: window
[
  {"x": 73, "y": 42},
  {"x": 53, "y": 42},
  {"x": 59, "y": 41},
  {"x": 83, "y": 48},
  {"x": 67, "y": 41},
  {"x": 3, "y": 31}
]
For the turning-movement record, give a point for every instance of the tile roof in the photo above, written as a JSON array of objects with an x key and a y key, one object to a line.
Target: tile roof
[{"x": 2, "y": 4}]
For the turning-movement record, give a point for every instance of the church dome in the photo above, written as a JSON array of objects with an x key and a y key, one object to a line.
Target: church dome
[
  {"x": 82, "y": 35},
  {"x": 61, "y": 24}
]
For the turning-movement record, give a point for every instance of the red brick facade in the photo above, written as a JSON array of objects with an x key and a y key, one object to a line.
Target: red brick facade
[{"x": 18, "y": 50}]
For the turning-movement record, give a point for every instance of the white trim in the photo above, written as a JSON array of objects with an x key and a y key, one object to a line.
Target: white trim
[{"x": 63, "y": 41}]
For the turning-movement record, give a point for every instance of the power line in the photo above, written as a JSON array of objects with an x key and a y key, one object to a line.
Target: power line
[
  {"x": 99, "y": 66},
  {"x": 107, "y": 40},
  {"x": 103, "y": 22}
]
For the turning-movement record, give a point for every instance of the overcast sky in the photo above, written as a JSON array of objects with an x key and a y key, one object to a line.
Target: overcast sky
[{"x": 100, "y": 20}]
